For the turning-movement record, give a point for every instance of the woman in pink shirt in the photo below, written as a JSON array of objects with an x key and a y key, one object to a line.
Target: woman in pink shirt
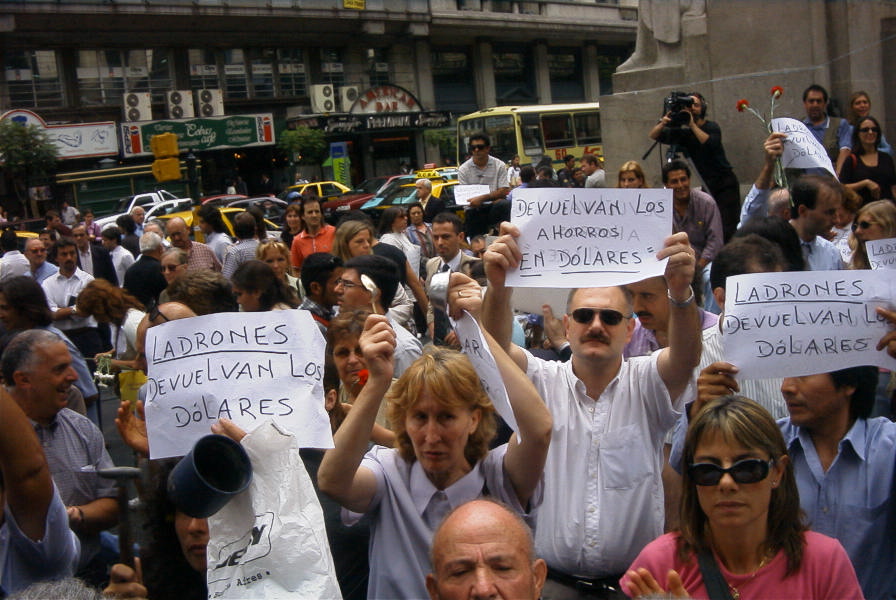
[{"x": 740, "y": 512}]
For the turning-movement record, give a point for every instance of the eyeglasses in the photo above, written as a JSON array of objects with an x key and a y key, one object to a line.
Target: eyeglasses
[
  {"x": 863, "y": 225},
  {"x": 869, "y": 129},
  {"x": 750, "y": 470},
  {"x": 608, "y": 316},
  {"x": 155, "y": 313},
  {"x": 348, "y": 284},
  {"x": 478, "y": 146}
]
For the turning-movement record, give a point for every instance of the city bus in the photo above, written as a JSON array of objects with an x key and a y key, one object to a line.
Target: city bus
[{"x": 552, "y": 130}]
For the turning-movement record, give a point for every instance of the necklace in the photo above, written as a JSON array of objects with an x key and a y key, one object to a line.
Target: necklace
[{"x": 735, "y": 593}]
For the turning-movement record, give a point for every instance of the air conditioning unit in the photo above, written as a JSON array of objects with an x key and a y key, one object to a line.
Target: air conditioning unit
[
  {"x": 137, "y": 106},
  {"x": 209, "y": 103},
  {"x": 180, "y": 104},
  {"x": 322, "y": 99},
  {"x": 347, "y": 96}
]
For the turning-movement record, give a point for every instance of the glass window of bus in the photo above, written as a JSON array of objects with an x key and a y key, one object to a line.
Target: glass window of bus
[
  {"x": 557, "y": 131},
  {"x": 502, "y": 132},
  {"x": 587, "y": 128},
  {"x": 530, "y": 128}
]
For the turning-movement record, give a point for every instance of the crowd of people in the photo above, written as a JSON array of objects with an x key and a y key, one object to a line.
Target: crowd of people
[{"x": 640, "y": 464}]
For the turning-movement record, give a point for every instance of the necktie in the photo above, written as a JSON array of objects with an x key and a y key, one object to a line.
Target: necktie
[{"x": 807, "y": 247}]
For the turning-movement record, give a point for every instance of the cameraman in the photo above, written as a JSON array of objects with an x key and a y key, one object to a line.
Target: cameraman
[{"x": 685, "y": 124}]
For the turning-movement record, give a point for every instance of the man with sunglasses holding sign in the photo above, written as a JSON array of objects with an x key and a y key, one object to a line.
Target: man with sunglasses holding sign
[
  {"x": 603, "y": 491},
  {"x": 482, "y": 168}
]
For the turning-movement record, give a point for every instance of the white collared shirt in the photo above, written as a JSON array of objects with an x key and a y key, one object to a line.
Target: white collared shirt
[
  {"x": 603, "y": 499},
  {"x": 59, "y": 289}
]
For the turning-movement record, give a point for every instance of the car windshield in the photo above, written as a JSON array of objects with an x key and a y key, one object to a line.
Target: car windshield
[
  {"x": 404, "y": 195},
  {"x": 123, "y": 204}
]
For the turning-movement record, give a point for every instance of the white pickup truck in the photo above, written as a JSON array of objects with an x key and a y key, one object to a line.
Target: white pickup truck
[{"x": 154, "y": 203}]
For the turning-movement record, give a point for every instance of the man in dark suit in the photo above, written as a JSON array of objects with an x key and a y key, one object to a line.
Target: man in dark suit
[
  {"x": 144, "y": 278},
  {"x": 447, "y": 235},
  {"x": 93, "y": 258},
  {"x": 431, "y": 205}
]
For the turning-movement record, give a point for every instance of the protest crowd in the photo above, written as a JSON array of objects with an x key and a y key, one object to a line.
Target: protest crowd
[{"x": 438, "y": 434}]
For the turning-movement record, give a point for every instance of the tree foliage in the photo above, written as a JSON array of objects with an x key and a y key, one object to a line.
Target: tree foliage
[
  {"x": 445, "y": 139},
  {"x": 308, "y": 144},
  {"x": 26, "y": 154}
]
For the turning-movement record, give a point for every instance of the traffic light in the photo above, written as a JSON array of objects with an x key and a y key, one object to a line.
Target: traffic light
[{"x": 166, "y": 167}]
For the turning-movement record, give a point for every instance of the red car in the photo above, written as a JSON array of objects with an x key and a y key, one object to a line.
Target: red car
[{"x": 354, "y": 199}]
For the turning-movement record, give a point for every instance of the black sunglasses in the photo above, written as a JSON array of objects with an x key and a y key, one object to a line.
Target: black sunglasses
[
  {"x": 608, "y": 316},
  {"x": 478, "y": 146},
  {"x": 750, "y": 470},
  {"x": 155, "y": 313},
  {"x": 869, "y": 130},
  {"x": 861, "y": 225}
]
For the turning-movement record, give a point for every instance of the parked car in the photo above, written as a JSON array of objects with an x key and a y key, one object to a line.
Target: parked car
[
  {"x": 228, "y": 212},
  {"x": 354, "y": 199},
  {"x": 152, "y": 212},
  {"x": 147, "y": 200},
  {"x": 407, "y": 194},
  {"x": 400, "y": 181},
  {"x": 222, "y": 199},
  {"x": 325, "y": 190},
  {"x": 272, "y": 208}
]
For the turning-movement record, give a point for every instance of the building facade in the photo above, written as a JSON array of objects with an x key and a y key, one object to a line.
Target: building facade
[{"x": 305, "y": 62}]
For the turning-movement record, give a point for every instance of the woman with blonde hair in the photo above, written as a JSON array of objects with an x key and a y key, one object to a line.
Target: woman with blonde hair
[
  {"x": 276, "y": 254},
  {"x": 631, "y": 175},
  {"x": 742, "y": 533},
  {"x": 443, "y": 422},
  {"x": 874, "y": 221}
]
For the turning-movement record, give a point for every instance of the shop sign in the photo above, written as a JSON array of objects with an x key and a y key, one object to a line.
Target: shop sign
[
  {"x": 194, "y": 135},
  {"x": 385, "y": 99},
  {"x": 79, "y": 140}
]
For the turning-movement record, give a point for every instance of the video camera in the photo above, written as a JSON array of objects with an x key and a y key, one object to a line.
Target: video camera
[{"x": 675, "y": 103}]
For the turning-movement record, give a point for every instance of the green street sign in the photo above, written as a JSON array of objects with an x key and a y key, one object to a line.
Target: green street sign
[{"x": 193, "y": 135}]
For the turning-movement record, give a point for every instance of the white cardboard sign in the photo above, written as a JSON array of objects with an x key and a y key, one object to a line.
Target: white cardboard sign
[
  {"x": 473, "y": 344},
  {"x": 882, "y": 253},
  {"x": 463, "y": 193},
  {"x": 593, "y": 237},
  {"x": 792, "y": 324},
  {"x": 801, "y": 149},
  {"x": 248, "y": 367}
]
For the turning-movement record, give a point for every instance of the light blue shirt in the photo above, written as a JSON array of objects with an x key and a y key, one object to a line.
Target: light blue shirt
[
  {"x": 43, "y": 271},
  {"x": 821, "y": 255},
  {"x": 854, "y": 500},
  {"x": 25, "y": 561}
]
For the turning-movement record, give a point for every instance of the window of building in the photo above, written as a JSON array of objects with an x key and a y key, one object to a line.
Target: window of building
[
  {"x": 100, "y": 77},
  {"x": 608, "y": 58},
  {"x": 379, "y": 67},
  {"x": 32, "y": 78},
  {"x": 148, "y": 71},
  {"x": 262, "y": 65},
  {"x": 565, "y": 70},
  {"x": 291, "y": 72},
  {"x": 331, "y": 70},
  {"x": 236, "y": 81},
  {"x": 452, "y": 77},
  {"x": 514, "y": 75},
  {"x": 203, "y": 69}
]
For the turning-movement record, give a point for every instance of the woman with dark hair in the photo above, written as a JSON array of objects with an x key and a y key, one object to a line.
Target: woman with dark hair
[
  {"x": 868, "y": 170},
  {"x": 860, "y": 107},
  {"x": 315, "y": 236},
  {"x": 742, "y": 530},
  {"x": 443, "y": 422},
  {"x": 292, "y": 223},
  {"x": 129, "y": 240},
  {"x": 258, "y": 289},
  {"x": 420, "y": 233}
]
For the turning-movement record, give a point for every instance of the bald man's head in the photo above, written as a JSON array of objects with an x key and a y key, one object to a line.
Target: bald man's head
[{"x": 483, "y": 549}]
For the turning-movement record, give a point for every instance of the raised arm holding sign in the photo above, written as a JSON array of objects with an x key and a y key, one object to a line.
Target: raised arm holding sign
[{"x": 801, "y": 149}]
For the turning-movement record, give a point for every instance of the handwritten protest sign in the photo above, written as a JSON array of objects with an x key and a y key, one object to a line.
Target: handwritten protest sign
[
  {"x": 248, "y": 367},
  {"x": 882, "y": 253},
  {"x": 463, "y": 193},
  {"x": 791, "y": 324},
  {"x": 801, "y": 149},
  {"x": 473, "y": 344},
  {"x": 573, "y": 237}
]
